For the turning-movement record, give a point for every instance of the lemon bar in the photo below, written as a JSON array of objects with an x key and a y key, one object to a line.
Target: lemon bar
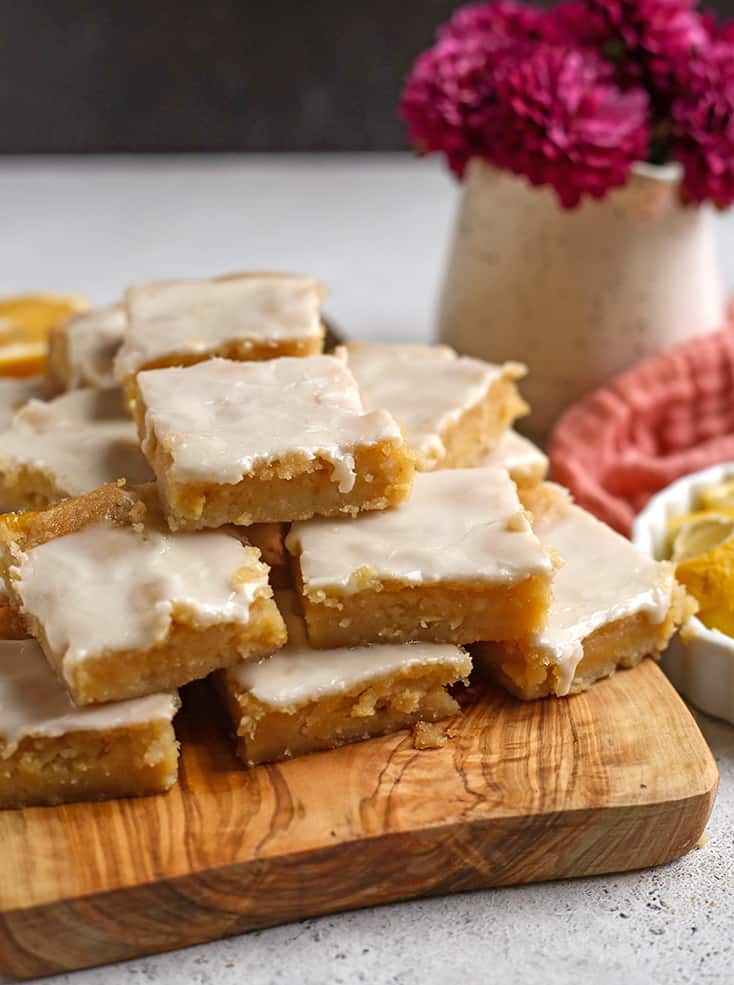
[
  {"x": 302, "y": 700},
  {"x": 52, "y": 752},
  {"x": 16, "y": 392},
  {"x": 68, "y": 446},
  {"x": 122, "y": 607},
  {"x": 612, "y": 606},
  {"x": 243, "y": 316},
  {"x": 81, "y": 350},
  {"x": 458, "y": 562},
  {"x": 525, "y": 462},
  {"x": 267, "y": 442},
  {"x": 452, "y": 407}
]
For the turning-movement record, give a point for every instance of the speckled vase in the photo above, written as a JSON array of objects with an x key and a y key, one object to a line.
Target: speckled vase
[{"x": 577, "y": 295}]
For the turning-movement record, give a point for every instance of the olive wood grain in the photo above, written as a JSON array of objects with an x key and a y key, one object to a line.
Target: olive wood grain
[{"x": 616, "y": 778}]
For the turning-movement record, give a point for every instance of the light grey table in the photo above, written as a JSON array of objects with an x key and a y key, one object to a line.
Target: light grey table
[{"x": 375, "y": 229}]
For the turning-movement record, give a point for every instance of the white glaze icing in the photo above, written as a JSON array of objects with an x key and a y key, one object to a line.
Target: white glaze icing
[
  {"x": 14, "y": 393},
  {"x": 107, "y": 588},
  {"x": 82, "y": 439},
  {"x": 299, "y": 674},
  {"x": 458, "y": 525},
  {"x": 196, "y": 317},
  {"x": 603, "y": 578},
  {"x": 92, "y": 340},
  {"x": 426, "y": 388},
  {"x": 522, "y": 459},
  {"x": 33, "y": 702},
  {"x": 221, "y": 419}
]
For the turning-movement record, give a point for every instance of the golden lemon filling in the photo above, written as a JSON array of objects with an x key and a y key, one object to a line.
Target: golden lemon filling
[
  {"x": 701, "y": 544},
  {"x": 25, "y": 321}
]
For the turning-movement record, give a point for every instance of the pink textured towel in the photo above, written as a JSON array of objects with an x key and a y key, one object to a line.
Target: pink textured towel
[{"x": 671, "y": 415}]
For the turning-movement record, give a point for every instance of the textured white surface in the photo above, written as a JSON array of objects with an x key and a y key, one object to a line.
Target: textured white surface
[{"x": 375, "y": 229}]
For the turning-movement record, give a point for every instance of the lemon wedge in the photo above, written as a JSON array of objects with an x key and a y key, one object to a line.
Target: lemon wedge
[
  {"x": 693, "y": 534},
  {"x": 718, "y": 497},
  {"x": 709, "y": 578},
  {"x": 25, "y": 322}
]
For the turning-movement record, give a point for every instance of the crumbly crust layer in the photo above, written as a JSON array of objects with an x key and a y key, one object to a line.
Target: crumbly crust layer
[
  {"x": 124, "y": 762},
  {"x": 527, "y": 673},
  {"x": 291, "y": 488},
  {"x": 481, "y": 427},
  {"x": 458, "y": 612}
]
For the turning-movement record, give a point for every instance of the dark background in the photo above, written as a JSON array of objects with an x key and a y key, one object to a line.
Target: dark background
[{"x": 173, "y": 75}]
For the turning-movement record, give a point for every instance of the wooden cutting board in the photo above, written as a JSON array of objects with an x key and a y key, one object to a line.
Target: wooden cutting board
[{"x": 617, "y": 778}]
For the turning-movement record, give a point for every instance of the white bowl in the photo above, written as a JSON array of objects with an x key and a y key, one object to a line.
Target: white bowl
[{"x": 699, "y": 661}]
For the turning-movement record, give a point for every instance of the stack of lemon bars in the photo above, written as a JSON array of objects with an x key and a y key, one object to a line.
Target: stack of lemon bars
[{"x": 337, "y": 541}]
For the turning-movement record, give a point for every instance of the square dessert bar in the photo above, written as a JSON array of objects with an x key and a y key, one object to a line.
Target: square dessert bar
[
  {"x": 67, "y": 447},
  {"x": 525, "y": 462},
  {"x": 612, "y": 606},
  {"x": 242, "y": 316},
  {"x": 451, "y": 407},
  {"x": 264, "y": 442},
  {"x": 52, "y": 752},
  {"x": 458, "y": 562},
  {"x": 81, "y": 350},
  {"x": 122, "y": 607},
  {"x": 301, "y": 700}
]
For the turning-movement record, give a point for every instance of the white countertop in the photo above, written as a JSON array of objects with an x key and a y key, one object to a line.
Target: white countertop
[{"x": 375, "y": 228}]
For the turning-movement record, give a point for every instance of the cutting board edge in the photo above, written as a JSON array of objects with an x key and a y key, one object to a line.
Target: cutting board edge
[{"x": 94, "y": 926}]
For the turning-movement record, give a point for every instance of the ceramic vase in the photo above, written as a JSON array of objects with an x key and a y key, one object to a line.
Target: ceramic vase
[{"x": 578, "y": 295}]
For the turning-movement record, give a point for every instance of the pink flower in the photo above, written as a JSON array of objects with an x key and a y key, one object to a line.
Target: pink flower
[
  {"x": 650, "y": 39},
  {"x": 540, "y": 110},
  {"x": 703, "y": 122},
  {"x": 717, "y": 31},
  {"x": 500, "y": 19},
  {"x": 576, "y": 24},
  {"x": 572, "y": 97},
  {"x": 449, "y": 97},
  {"x": 562, "y": 122}
]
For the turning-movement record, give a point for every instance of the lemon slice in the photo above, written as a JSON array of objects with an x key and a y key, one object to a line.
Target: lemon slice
[
  {"x": 709, "y": 578},
  {"x": 718, "y": 497},
  {"x": 25, "y": 322},
  {"x": 694, "y": 534}
]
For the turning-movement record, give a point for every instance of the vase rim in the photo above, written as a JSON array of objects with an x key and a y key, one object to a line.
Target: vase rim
[{"x": 671, "y": 172}]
